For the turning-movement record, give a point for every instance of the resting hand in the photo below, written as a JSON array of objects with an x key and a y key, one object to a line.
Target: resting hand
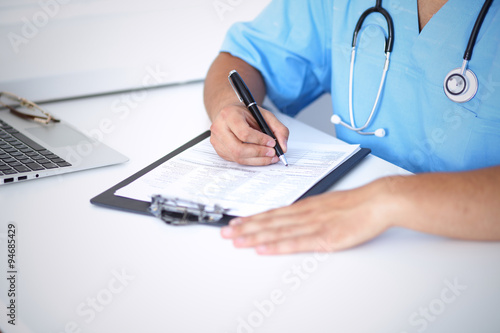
[
  {"x": 327, "y": 222},
  {"x": 236, "y": 136}
]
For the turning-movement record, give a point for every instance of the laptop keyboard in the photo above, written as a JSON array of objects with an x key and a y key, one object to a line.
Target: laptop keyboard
[{"x": 20, "y": 154}]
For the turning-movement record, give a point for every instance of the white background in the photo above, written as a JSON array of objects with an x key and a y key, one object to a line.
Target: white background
[{"x": 54, "y": 49}]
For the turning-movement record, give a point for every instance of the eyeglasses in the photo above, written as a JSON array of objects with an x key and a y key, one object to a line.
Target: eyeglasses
[{"x": 29, "y": 110}]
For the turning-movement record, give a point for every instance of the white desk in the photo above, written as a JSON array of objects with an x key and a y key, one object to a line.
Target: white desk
[{"x": 188, "y": 279}]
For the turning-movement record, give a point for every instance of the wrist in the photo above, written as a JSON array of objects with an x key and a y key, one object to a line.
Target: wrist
[
  {"x": 214, "y": 107},
  {"x": 393, "y": 206}
]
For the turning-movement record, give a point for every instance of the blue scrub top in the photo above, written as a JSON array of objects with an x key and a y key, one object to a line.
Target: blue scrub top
[{"x": 302, "y": 49}]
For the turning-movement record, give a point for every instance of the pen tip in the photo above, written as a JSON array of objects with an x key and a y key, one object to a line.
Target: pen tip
[{"x": 283, "y": 159}]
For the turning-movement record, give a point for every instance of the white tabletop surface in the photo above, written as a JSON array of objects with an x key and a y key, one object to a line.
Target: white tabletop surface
[{"x": 84, "y": 268}]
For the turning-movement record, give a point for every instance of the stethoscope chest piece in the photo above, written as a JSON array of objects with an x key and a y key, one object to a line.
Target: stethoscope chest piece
[
  {"x": 460, "y": 85},
  {"x": 460, "y": 88}
]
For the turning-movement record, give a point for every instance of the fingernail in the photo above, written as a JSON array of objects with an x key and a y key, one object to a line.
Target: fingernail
[
  {"x": 275, "y": 159},
  {"x": 226, "y": 231},
  {"x": 270, "y": 153},
  {"x": 236, "y": 221},
  {"x": 285, "y": 145}
]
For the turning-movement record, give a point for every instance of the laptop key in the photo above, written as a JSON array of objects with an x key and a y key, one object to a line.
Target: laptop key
[
  {"x": 9, "y": 172},
  {"x": 16, "y": 154},
  {"x": 34, "y": 166},
  {"x": 22, "y": 168},
  {"x": 20, "y": 157},
  {"x": 10, "y": 140},
  {"x": 18, "y": 144},
  {"x": 50, "y": 165},
  {"x": 63, "y": 164},
  {"x": 45, "y": 152}
]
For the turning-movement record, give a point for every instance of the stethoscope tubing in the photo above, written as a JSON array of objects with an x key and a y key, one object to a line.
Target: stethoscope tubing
[
  {"x": 379, "y": 93},
  {"x": 475, "y": 30},
  {"x": 390, "y": 25}
]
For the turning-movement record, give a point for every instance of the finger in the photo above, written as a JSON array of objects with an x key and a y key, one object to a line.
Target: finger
[
  {"x": 242, "y": 125},
  {"x": 316, "y": 241},
  {"x": 241, "y": 226},
  {"x": 231, "y": 135},
  {"x": 274, "y": 235},
  {"x": 248, "y": 134},
  {"x": 243, "y": 153},
  {"x": 305, "y": 243},
  {"x": 252, "y": 133}
]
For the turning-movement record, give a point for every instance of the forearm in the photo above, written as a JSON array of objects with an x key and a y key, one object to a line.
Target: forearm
[
  {"x": 218, "y": 93},
  {"x": 463, "y": 205}
]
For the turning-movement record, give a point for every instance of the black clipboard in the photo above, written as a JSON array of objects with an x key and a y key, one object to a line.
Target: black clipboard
[{"x": 110, "y": 200}]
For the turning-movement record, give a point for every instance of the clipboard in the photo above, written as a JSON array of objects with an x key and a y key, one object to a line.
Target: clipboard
[{"x": 108, "y": 198}]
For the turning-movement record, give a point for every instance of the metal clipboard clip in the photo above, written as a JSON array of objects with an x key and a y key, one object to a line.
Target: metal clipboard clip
[{"x": 177, "y": 211}]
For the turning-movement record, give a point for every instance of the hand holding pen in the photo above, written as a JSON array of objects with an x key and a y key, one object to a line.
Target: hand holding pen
[
  {"x": 245, "y": 96},
  {"x": 236, "y": 136}
]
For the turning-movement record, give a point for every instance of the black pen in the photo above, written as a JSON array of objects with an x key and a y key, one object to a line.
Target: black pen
[{"x": 245, "y": 96}]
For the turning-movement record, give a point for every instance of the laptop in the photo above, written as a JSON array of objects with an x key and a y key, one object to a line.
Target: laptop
[{"x": 30, "y": 150}]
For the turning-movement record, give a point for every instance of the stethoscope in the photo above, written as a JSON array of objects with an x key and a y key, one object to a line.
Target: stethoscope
[{"x": 460, "y": 85}]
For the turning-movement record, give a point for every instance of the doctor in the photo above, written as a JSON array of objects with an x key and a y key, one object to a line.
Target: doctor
[{"x": 294, "y": 51}]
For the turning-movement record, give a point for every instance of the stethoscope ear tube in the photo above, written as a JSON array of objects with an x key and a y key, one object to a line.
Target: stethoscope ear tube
[{"x": 389, "y": 43}]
